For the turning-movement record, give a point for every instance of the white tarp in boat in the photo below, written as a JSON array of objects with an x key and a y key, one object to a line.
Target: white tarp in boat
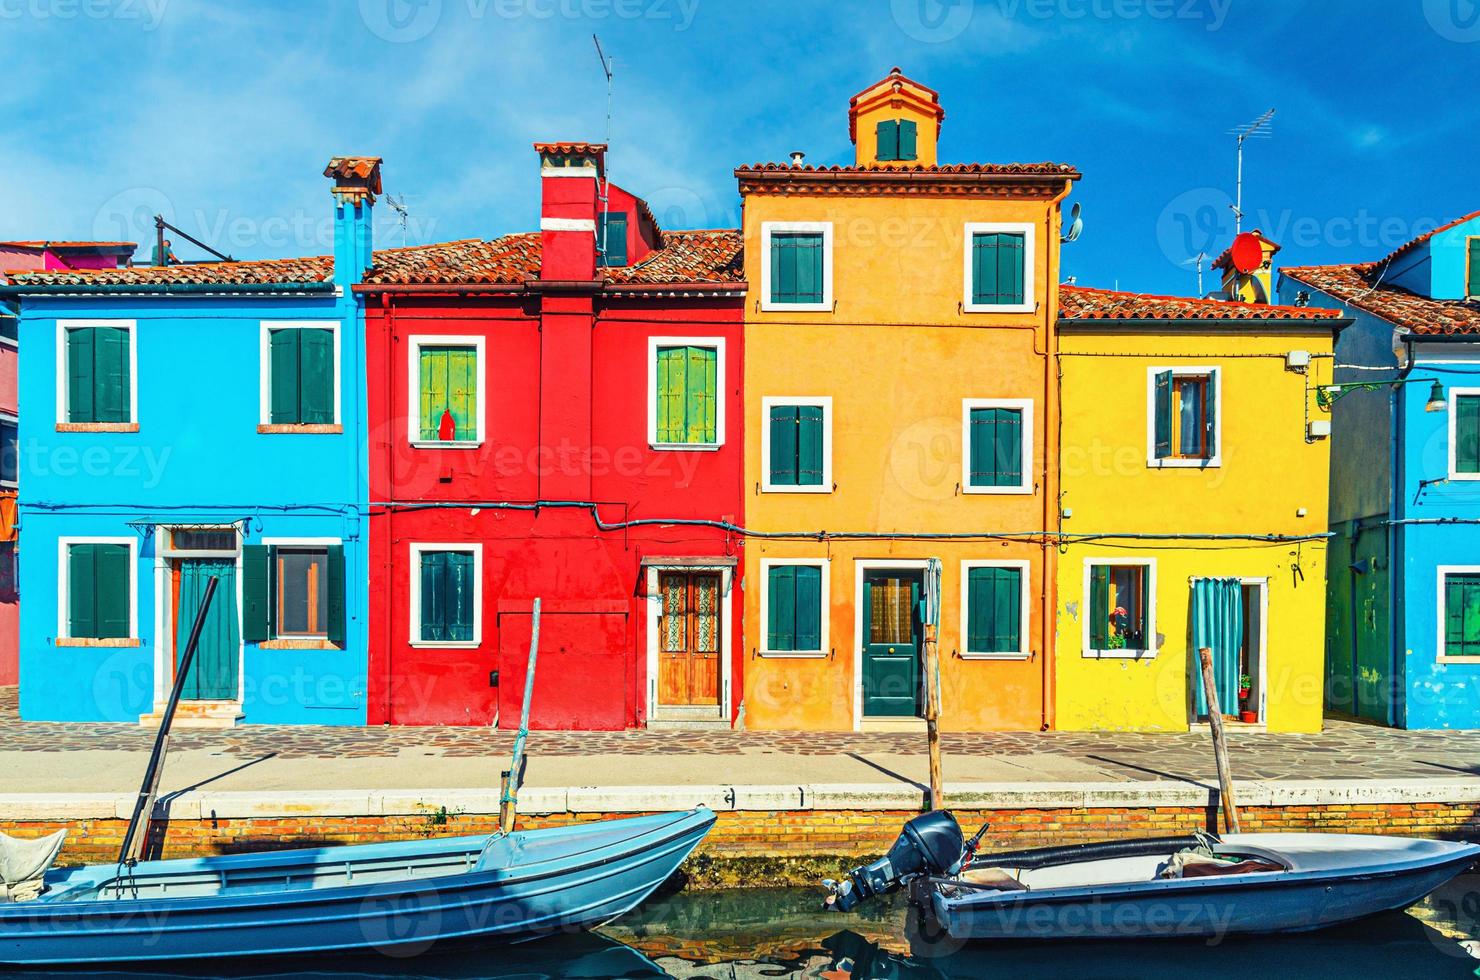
[{"x": 23, "y": 864}]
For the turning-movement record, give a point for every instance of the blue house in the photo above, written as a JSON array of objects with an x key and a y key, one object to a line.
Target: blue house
[
  {"x": 185, "y": 422},
  {"x": 1403, "y": 609}
]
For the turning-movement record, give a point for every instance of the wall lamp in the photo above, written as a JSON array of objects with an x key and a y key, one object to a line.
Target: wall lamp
[{"x": 1328, "y": 395}]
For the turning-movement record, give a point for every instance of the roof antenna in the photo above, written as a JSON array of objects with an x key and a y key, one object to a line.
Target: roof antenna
[
  {"x": 398, "y": 205},
  {"x": 606, "y": 186},
  {"x": 1260, "y": 128}
]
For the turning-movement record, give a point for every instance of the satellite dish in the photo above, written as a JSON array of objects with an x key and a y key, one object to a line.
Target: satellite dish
[
  {"x": 1076, "y": 224},
  {"x": 1247, "y": 253}
]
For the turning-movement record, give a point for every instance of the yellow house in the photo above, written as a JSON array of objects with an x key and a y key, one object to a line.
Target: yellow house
[
  {"x": 1194, "y": 489},
  {"x": 900, "y": 407}
]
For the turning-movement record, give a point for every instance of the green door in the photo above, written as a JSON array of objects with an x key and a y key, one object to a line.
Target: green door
[
  {"x": 891, "y": 644},
  {"x": 213, "y": 672}
]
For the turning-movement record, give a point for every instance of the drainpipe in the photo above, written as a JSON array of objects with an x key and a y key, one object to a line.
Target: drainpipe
[{"x": 1398, "y": 507}]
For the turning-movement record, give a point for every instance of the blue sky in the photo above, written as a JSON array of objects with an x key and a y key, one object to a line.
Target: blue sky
[{"x": 223, "y": 115}]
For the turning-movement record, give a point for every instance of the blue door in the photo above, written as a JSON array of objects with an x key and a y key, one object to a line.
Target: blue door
[{"x": 213, "y": 673}]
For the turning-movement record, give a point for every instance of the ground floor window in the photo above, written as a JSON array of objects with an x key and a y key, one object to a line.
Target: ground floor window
[
  {"x": 993, "y": 601},
  {"x": 1459, "y": 596},
  {"x": 1119, "y": 608},
  {"x": 294, "y": 590},
  {"x": 794, "y": 604},
  {"x": 98, "y": 604},
  {"x": 445, "y": 595}
]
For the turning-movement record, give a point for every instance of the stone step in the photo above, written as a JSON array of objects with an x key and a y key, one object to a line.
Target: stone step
[{"x": 196, "y": 714}]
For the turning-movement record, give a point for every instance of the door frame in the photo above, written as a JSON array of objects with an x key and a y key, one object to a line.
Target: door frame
[
  {"x": 861, "y": 567},
  {"x": 1262, "y": 584},
  {"x": 654, "y": 617},
  {"x": 164, "y": 620}
]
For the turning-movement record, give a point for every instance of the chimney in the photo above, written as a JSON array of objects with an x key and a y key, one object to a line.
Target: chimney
[
  {"x": 570, "y": 178},
  {"x": 1248, "y": 268},
  {"x": 356, "y": 182}
]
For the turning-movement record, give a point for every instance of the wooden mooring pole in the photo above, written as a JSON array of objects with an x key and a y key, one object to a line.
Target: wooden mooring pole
[
  {"x": 514, "y": 778},
  {"x": 1220, "y": 743}
]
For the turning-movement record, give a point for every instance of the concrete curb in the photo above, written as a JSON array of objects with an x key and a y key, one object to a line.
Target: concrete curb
[{"x": 756, "y": 798}]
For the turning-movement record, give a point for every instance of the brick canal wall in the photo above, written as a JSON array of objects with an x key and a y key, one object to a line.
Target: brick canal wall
[{"x": 781, "y": 843}]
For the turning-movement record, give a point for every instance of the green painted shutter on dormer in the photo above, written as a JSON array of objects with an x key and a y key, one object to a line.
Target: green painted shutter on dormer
[
  {"x": 1162, "y": 407},
  {"x": 886, "y": 136},
  {"x": 907, "y": 139},
  {"x": 611, "y": 246}
]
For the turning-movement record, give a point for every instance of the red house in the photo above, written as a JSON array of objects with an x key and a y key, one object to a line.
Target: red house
[{"x": 550, "y": 419}]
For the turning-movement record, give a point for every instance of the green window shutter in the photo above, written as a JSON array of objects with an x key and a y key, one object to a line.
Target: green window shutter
[
  {"x": 315, "y": 376},
  {"x": 256, "y": 593},
  {"x": 984, "y": 269},
  {"x": 82, "y": 603},
  {"x": 1099, "y": 607},
  {"x": 808, "y": 606},
  {"x": 998, "y": 269},
  {"x": 80, "y": 405},
  {"x": 701, "y": 385},
  {"x": 781, "y": 608},
  {"x": 1011, "y": 256},
  {"x": 283, "y": 382},
  {"x": 672, "y": 393},
  {"x": 785, "y": 435},
  {"x": 449, "y": 384},
  {"x": 111, "y": 374},
  {"x": 1211, "y": 413},
  {"x": 433, "y": 391},
  {"x": 460, "y": 596},
  {"x": 1162, "y": 406},
  {"x": 809, "y": 269},
  {"x": 1474, "y": 276},
  {"x": 337, "y": 615},
  {"x": 994, "y": 610},
  {"x": 995, "y": 447},
  {"x": 434, "y": 596},
  {"x": 1467, "y": 433},
  {"x": 907, "y": 140},
  {"x": 688, "y": 395},
  {"x": 797, "y": 267},
  {"x": 809, "y": 461},
  {"x": 112, "y": 565},
  {"x": 614, "y": 236},
  {"x": 887, "y": 135}
]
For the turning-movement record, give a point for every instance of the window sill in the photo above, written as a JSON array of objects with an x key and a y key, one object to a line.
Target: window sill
[
  {"x": 999, "y": 308},
  {"x": 820, "y": 488},
  {"x": 446, "y": 644},
  {"x": 97, "y": 427},
  {"x": 1175, "y": 463},
  {"x": 794, "y": 654},
  {"x": 1441, "y": 659},
  {"x": 1119, "y": 654},
  {"x": 305, "y": 643},
  {"x": 678, "y": 447},
  {"x": 277, "y": 429},
  {"x": 105, "y": 641},
  {"x": 771, "y": 306},
  {"x": 997, "y": 656},
  {"x": 439, "y": 444},
  {"x": 1463, "y": 477},
  {"x": 997, "y": 491}
]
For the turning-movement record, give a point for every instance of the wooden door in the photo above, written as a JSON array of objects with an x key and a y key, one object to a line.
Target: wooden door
[
  {"x": 891, "y": 645},
  {"x": 689, "y": 639}
]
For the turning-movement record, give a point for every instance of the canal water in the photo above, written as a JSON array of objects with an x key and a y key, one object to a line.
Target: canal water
[{"x": 738, "y": 935}]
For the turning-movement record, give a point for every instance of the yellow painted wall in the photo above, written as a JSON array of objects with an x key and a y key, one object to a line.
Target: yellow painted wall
[
  {"x": 1269, "y": 471},
  {"x": 897, "y": 357}
]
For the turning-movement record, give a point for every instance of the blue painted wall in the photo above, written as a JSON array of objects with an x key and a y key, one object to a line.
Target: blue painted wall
[{"x": 196, "y": 459}]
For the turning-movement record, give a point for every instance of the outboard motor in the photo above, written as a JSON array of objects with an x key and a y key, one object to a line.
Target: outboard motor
[{"x": 930, "y": 844}]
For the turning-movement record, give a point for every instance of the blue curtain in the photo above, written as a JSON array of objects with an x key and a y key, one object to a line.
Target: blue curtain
[
  {"x": 1218, "y": 625},
  {"x": 212, "y": 675}
]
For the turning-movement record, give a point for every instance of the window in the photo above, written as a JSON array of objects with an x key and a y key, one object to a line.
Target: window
[
  {"x": 999, "y": 268},
  {"x": 1459, "y": 612},
  {"x": 9, "y": 328},
  {"x": 1121, "y": 615},
  {"x": 301, "y": 377},
  {"x": 300, "y": 591},
  {"x": 997, "y": 445},
  {"x": 447, "y": 408},
  {"x": 446, "y": 608},
  {"x": 1184, "y": 417},
  {"x": 611, "y": 243},
  {"x": 9, "y": 445},
  {"x": 1464, "y": 433},
  {"x": 797, "y": 273},
  {"x": 794, "y": 607},
  {"x": 293, "y": 592},
  {"x": 684, "y": 377},
  {"x": 9, "y": 572},
  {"x": 994, "y": 609},
  {"x": 796, "y": 442},
  {"x": 896, "y": 139},
  {"x": 98, "y": 598},
  {"x": 96, "y": 368},
  {"x": 1472, "y": 277}
]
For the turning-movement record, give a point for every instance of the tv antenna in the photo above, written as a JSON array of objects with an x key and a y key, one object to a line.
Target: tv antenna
[
  {"x": 1263, "y": 129},
  {"x": 606, "y": 185},
  {"x": 1198, "y": 261},
  {"x": 403, "y": 215}
]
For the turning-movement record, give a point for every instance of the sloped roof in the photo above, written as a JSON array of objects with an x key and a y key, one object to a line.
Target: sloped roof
[
  {"x": 1361, "y": 287},
  {"x": 70, "y": 245},
  {"x": 1409, "y": 246},
  {"x": 1087, "y": 303}
]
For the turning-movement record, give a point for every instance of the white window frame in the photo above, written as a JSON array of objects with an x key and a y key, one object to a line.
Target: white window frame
[
  {"x": 64, "y": 585},
  {"x": 414, "y": 628},
  {"x": 132, "y": 327},
  {"x": 1024, "y": 405},
  {"x": 264, "y": 407},
  {"x": 824, "y": 403},
  {"x": 721, "y": 393},
  {"x": 1453, "y": 436},
  {"x": 1025, "y": 568},
  {"x": 768, "y": 228},
  {"x": 1443, "y": 572},
  {"x": 824, "y": 599},
  {"x": 300, "y": 544},
  {"x": 414, "y": 344},
  {"x": 1029, "y": 232},
  {"x": 14, "y": 420},
  {"x": 1086, "y": 650},
  {"x": 1198, "y": 371}
]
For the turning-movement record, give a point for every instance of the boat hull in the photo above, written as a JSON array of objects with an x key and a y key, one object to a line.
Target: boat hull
[
  {"x": 1210, "y": 908},
  {"x": 563, "y": 892}
]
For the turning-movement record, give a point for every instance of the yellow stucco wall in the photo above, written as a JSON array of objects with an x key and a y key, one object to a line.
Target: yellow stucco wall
[
  {"x": 897, "y": 357},
  {"x": 1268, "y": 473}
]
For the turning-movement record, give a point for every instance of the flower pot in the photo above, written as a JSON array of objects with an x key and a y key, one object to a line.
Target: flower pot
[{"x": 1248, "y": 717}]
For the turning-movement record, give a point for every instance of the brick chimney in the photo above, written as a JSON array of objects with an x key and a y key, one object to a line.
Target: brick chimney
[
  {"x": 570, "y": 177},
  {"x": 356, "y": 182}
]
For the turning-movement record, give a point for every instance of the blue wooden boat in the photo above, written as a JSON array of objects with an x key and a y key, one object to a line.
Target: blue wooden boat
[{"x": 399, "y": 898}]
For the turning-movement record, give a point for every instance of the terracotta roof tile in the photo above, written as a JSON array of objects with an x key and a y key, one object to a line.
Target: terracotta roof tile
[
  {"x": 571, "y": 146},
  {"x": 509, "y": 260},
  {"x": 1360, "y": 287},
  {"x": 1087, "y": 303},
  {"x": 1408, "y": 246},
  {"x": 1004, "y": 169},
  {"x": 689, "y": 257},
  {"x": 119, "y": 245},
  {"x": 359, "y": 168},
  {"x": 254, "y": 273}
]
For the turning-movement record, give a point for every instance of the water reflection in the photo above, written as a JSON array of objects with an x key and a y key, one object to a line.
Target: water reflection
[{"x": 779, "y": 934}]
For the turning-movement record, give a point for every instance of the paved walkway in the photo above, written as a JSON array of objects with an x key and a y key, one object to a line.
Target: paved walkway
[{"x": 40, "y": 757}]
